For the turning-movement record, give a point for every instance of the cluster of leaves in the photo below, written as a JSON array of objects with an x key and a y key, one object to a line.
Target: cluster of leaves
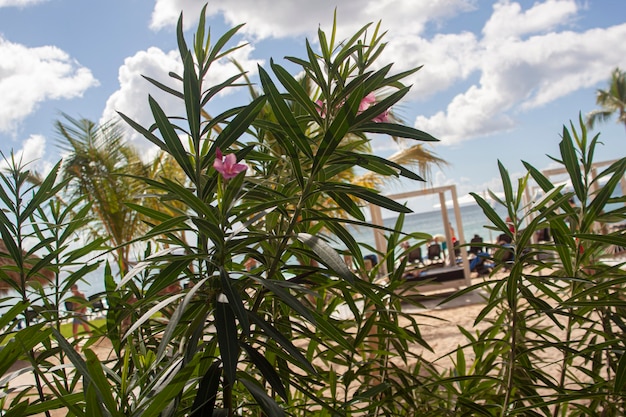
[{"x": 559, "y": 299}]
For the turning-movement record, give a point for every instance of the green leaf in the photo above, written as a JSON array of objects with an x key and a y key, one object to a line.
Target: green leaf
[
  {"x": 347, "y": 204},
  {"x": 148, "y": 315},
  {"x": 328, "y": 255},
  {"x": 145, "y": 132},
  {"x": 506, "y": 184},
  {"x": 490, "y": 212},
  {"x": 368, "y": 195},
  {"x": 346, "y": 237},
  {"x": 601, "y": 198},
  {"x": 149, "y": 212},
  {"x": 337, "y": 130},
  {"x": 272, "y": 333},
  {"x": 163, "y": 87},
  {"x": 611, "y": 239},
  {"x": 234, "y": 300},
  {"x": 268, "y": 371},
  {"x": 175, "y": 319},
  {"x": 571, "y": 163},
  {"x": 216, "y": 89},
  {"x": 298, "y": 93},
  {"x": 23, "y": 341},
  {"x": 204, "y": 403},
  {"x": 52, "y": 404},
  {"x": 620, "y": 375},
  {"x": 191, "y": 88},
  {"x": 284, "y": 115},
  {"x": 267, "y": 404},
  {"x": 285, "y": 297},
  {"x": 171, "y": 139},
  {"x": 100, "y": 383},
  {"x": 238, "y": 126},
  {"x": 45, "y": 191},
  {"x": 171, "y": 387},
  {"x": 226, "y": 328},
  {"x": 180, "y": 37},
  {"x": 370, "y": 393},
  {"x": 221, "y": 42},
  {"x": 9, "y": 315}
]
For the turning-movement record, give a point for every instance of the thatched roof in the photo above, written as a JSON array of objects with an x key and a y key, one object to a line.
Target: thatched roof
[{"x": 9, "y": 270}]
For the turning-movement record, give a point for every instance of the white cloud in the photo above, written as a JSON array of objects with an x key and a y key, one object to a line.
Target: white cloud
[
  {"x": 29, "y": 76},
  {"x": 446, "y": 59},
  {"x": 131, "y": 98},
  {"x": 19, "y": 3},
  {"x": 517, "y": 75},
  {"x": 509, "y": 21},
  {"x": 166, "y": 12},
  {"x": 283, "y": 18}
]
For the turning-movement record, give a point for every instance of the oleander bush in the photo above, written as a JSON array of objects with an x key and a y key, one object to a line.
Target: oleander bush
[
  {"x": 555, "y": 341},
  {"x": 243, "y": 303}
]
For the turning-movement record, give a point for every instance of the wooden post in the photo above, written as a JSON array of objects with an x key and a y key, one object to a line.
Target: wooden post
[{"x": 461, "y": 235}]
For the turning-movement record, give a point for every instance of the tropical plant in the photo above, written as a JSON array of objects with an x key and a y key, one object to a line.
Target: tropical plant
[
  {"x": 555, "y": 297},
  {"x": 41, "y": 237},
  {"x": 251, "y": 340},
  {"x": 612, "y": 101}
]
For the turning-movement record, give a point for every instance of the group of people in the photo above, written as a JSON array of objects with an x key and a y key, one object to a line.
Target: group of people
[{"x": 481, "y": 260}]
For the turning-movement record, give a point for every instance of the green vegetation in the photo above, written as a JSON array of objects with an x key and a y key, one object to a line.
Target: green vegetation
[
  {"x": 232, "y": 310},
  {"x": 612, "y": 101}
]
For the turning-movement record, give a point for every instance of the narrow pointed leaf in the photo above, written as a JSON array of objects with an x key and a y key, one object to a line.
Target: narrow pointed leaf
[
  {"x": 267, "y": 404},
  {"x": 227, "y": 338}
]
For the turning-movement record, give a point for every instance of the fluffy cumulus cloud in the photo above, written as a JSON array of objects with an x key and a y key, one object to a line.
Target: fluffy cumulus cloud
[
  {"x": 28, "y": 76},
  {"x": 131, "y": 98},
  {"x": 521, "y": 56},
  {"x": 523, "y": 62},
  {"x": 281, "y": 18}
]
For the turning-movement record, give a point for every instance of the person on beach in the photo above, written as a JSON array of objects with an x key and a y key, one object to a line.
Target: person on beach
[{"x": 79, "y": 308}]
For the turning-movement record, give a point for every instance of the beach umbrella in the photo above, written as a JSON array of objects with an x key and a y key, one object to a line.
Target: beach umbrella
[{"x": 9, "y": 272}]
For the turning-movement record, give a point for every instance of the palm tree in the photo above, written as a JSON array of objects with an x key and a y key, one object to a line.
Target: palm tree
[
  {"x": 611, "y": 101},
  {"x": 102, "y": 167}
]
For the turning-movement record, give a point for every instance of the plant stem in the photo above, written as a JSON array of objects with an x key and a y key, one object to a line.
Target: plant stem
[{"x": 512, "y": 358}]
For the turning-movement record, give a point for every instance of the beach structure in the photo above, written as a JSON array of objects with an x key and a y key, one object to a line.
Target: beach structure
[{"x": 450, "y": 275}]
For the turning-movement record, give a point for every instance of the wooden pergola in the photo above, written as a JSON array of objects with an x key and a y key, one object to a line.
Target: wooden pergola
[{"x": 381, "y": 243}]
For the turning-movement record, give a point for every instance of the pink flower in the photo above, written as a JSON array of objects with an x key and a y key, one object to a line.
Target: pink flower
[
  {"x": 227, "y": 165},
  {"x": 366, "y": 102}
]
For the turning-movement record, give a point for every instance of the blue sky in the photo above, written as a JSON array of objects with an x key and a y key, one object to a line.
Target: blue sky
[{"x": 500, "y": 78}]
